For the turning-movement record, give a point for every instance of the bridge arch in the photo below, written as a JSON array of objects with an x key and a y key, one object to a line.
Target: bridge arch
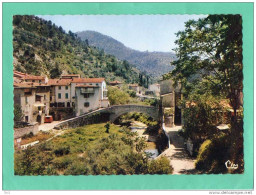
[
  {"x": 110, "y": 114},
  {"x": 117, "y": 111}
]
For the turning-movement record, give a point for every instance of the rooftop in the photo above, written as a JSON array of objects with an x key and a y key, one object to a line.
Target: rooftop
[
  {"x": 27, "y": 76},
  {"x": 59, "y": 82},
  {"x": 29, "y": 85},
  {"x": 87, "y": 86},
  {"x": 88, "y": 80},
  {"x": 115, "y": 82}
]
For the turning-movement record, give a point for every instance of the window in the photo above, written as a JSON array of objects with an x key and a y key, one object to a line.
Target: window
[
  {"x": 66, "y": 87},
  {"x": 33, "y": 81},
  {"x": 86, "y": 95},
  {"x": 44, "y": 97},
  {"x": 97, "y": 84},
  {"x": 66, "y": 95},
  {"x": 59, "y": 95},
  {"x": 59, "y": 87},
  {"x": 26, "y": 99},
  {"x": 86, "y": 104},
  {"x": 90, "y": 83},
  {"x": 26, "y": 118},
  {"x": 38, "y": 98},
  {"x": 28, "y": 93},
  {"x": 40, "y": 81}
]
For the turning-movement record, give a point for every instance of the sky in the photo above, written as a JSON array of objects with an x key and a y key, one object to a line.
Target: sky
[{"x": 140, "y": 32}]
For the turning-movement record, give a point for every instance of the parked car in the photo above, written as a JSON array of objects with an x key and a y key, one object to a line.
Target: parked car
[{"x": 48, "y": 119}]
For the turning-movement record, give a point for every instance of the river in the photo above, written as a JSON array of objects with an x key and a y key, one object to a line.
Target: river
[{"x": 140, "y": 129}]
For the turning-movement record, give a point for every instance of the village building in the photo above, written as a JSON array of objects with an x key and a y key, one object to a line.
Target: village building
[
  {"x": 116, "y": 83},
  {"x": 154, "y": 88},
  {"x": 23, "y": 77},
  {"x": 65, "y": 100},
  {"x": 60, "y": 92},
  {"x": 70, "y": 76},
  {"x": 33, "y": 99},
  {"x": 135, "y": 87},
  {"x": 89, "y": 94},
  {"x": 170, "y": 96},
  {"x": 61, "y": 98}
]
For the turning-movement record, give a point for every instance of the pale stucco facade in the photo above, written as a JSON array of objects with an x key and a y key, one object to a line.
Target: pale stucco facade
[
  {"x": 34, "y": 103},
  {"x": 87, "y": 99},
  {"x": 62, "y": 93}
]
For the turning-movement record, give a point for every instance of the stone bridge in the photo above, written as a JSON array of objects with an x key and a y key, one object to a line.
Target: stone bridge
[
  {"x": 117, "y": 111},
  {"x": 108, "y": 114}
]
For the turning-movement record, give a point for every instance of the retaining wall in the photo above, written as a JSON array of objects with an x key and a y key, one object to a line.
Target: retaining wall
[{"x": 19, "y": 132}]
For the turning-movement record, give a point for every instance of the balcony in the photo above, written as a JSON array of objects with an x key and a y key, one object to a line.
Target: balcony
[{"x": 87, "y": 90}]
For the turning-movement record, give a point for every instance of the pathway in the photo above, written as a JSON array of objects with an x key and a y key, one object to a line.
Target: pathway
[
  {"x": 181, "y": 162},
  {"x": 48, "y": 126}
]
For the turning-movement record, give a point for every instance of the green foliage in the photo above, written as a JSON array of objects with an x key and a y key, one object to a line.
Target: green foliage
[
  {"x": 210, "y": 55},
  {"x": 42, "y": 48},
  {"x": 117, "y": 96},
  {"x": 209, "y": 67},
  {"x": 202, "y": 113},
  {"x": 62, "y": 150},
  {"x": 213, "y": 154},
  {"x": 160, "y": 166},
  {"x": 18, "y": 114},
  {"x": 154, "y": 63},
  {"x": 107, "y": 126},
  {"x": 151, "y": 102},
  {"x": 74, "y": 154}
]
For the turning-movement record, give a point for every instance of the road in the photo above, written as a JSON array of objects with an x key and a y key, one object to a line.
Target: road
[
  {"x": 181, "y": 162},
  {"x": 48, "y": 126}
]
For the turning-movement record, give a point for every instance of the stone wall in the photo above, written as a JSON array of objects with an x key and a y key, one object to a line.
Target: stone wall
[
  {"x": 117, "y": 111},
  {"x": 107, "y": 114},
  {"x": 168, "y": 100},
  {"x": 19, "y": 132},
  {"x": 86, "y": 119}
]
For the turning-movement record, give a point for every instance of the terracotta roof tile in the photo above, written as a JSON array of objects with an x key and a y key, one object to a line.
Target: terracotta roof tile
[
  {"x": 59, "y": 82},
  {"x": 34, "y": 77},
  {"x": 87, "y": 86},
  {"x": 23, "y": 85},
  {"x": 29, "y": 84},
  {"x": 27, "y": 76},
  {"x": 115, "y": 82},
  {"x": 87, "y": 80}
]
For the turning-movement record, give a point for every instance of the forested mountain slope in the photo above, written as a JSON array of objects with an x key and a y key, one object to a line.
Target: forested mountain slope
[
  {"x": 154, "y": 63},
  {"x": 42, "y": 48}
]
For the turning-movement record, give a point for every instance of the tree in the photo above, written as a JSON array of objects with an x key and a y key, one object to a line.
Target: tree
[
  {"x": 56, "y": 71},
  {"x": 107, "y": 126},
  {"x": 210, "y": 64},
  {"x": 210, "y": 51},
  {"x": 18, "y": 114}
]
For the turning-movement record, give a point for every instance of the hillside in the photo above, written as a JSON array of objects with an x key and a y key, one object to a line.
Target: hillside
[
  {"x": 154, "y": 63},
  {"x": 42, "y": 48}
]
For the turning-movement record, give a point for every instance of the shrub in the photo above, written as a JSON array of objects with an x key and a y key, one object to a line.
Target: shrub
[
  {"x": 160, "y": 166},
  {"x": 18, "y": 114},
  {"x": 63, "y": 162},
  {"x": 78, "y": 168},
  {"x": 117, "y": 96},
  {"x": 213, "y": 154},
  {"x": 29, "y": 135},
  {"x": 62, "y": 150}
]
